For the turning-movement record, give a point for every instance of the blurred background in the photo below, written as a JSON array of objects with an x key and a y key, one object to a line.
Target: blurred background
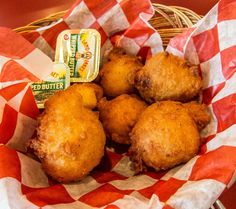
[{"x": 16, "y": 13}]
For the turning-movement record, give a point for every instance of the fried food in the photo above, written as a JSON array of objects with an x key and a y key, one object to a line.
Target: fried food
[
  {"x": 168, "y": 77},
  {"x": 164, "y": 136},
  {"x": 117, "y": 75},
  {"x": 199, "y": 113},
  {"x": 119, "y": 115},
  {"x": 91, "y": 93},
  {"x": 70, "y": 139}
]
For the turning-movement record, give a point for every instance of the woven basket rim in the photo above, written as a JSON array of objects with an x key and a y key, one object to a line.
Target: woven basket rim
[
  {"x": 181, "y": 12},
  {"x": 169, "y": 21},
  {"x": 183, "y": 19}
]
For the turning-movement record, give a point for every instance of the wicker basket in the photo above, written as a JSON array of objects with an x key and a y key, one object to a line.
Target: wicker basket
[{"x": 169, "y": 21}]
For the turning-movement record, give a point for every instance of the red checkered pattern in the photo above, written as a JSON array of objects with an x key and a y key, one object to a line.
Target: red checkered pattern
[
  {"x": 18, "y": 114},
  {"x": 212, "y": 45},
  {"x": 121, "y": 23},
  {"x": 112, "y": 185},
  {"x": 19, "y": 60}
]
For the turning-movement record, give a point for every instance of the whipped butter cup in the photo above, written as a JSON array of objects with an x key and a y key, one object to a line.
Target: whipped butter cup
[
  {"x": 80, "y": 50},
  {"x": 59, "y": 79}
]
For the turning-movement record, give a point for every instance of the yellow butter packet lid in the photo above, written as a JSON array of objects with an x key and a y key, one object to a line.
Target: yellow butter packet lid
[
  {"x": 59, "y": 79},
  {"x": 80, "y": 50}
]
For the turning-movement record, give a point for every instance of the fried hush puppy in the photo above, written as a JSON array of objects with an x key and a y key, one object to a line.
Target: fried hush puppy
[
  {"x": 117, "y": 75},
  {"x": 164, "y": 136},
  {"x": 91, "y": 93},
  {"x": 70, "y": 139},
  {"x": 168, "y": 77},
  {"x": 119, "y": 115},
  {"x": 199, "y": 113}
]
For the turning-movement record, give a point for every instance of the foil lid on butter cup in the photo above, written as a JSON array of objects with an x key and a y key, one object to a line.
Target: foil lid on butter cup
[{"x": 80, "y": 50}]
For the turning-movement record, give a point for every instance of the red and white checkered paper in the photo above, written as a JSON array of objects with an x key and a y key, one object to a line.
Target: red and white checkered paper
[
  {"x": 120, "y": 22},
  {"x": 197, "y": 184},
  {"x": 19, "y": 60}
]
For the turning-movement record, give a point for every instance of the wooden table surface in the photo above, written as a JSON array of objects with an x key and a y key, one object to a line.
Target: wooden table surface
[{"x": 16, "y": 13}]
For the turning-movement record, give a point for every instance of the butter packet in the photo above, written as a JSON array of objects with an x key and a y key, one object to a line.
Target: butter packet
[
  {"x": 80, "y": 50},
  {"x": 59, "y": 79}
]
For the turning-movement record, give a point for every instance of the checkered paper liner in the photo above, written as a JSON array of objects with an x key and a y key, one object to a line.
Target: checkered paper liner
[
  {"x": 120, "y": 22},
  {"x": 197, "y": 184}
]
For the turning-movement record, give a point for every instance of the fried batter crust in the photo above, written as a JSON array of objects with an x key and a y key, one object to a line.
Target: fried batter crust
[
  {"x": 199, "y": 113},
  {"x": 70, "y": 139},
  {"x": 164, "y": 136},
  {"x": 91, "y": 93},
  {"x": 117, "y": 75},
  {"x": 119, "y": 115},
  {"x": 168, "y": 77}
]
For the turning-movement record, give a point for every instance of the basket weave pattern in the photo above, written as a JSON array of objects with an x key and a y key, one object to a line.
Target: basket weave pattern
[{"x": 169, "y": 21}]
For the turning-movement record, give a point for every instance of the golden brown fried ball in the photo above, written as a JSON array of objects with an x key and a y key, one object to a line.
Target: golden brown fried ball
[
  {"x": 91, "y": 93},
  {"x": 168, "y": 77},
  {"x": 70, "y": 139},
  {"x": 119, "y": 115},
  {"x": 164, "y": 136},
  {"x": 199, "y": 113},
  {"x": 117, "y": 75}
]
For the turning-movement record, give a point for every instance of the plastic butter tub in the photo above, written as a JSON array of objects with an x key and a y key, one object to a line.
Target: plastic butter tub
[
  {"x": 80, "y": 50},
  {"x": 59, "y": 79}
]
